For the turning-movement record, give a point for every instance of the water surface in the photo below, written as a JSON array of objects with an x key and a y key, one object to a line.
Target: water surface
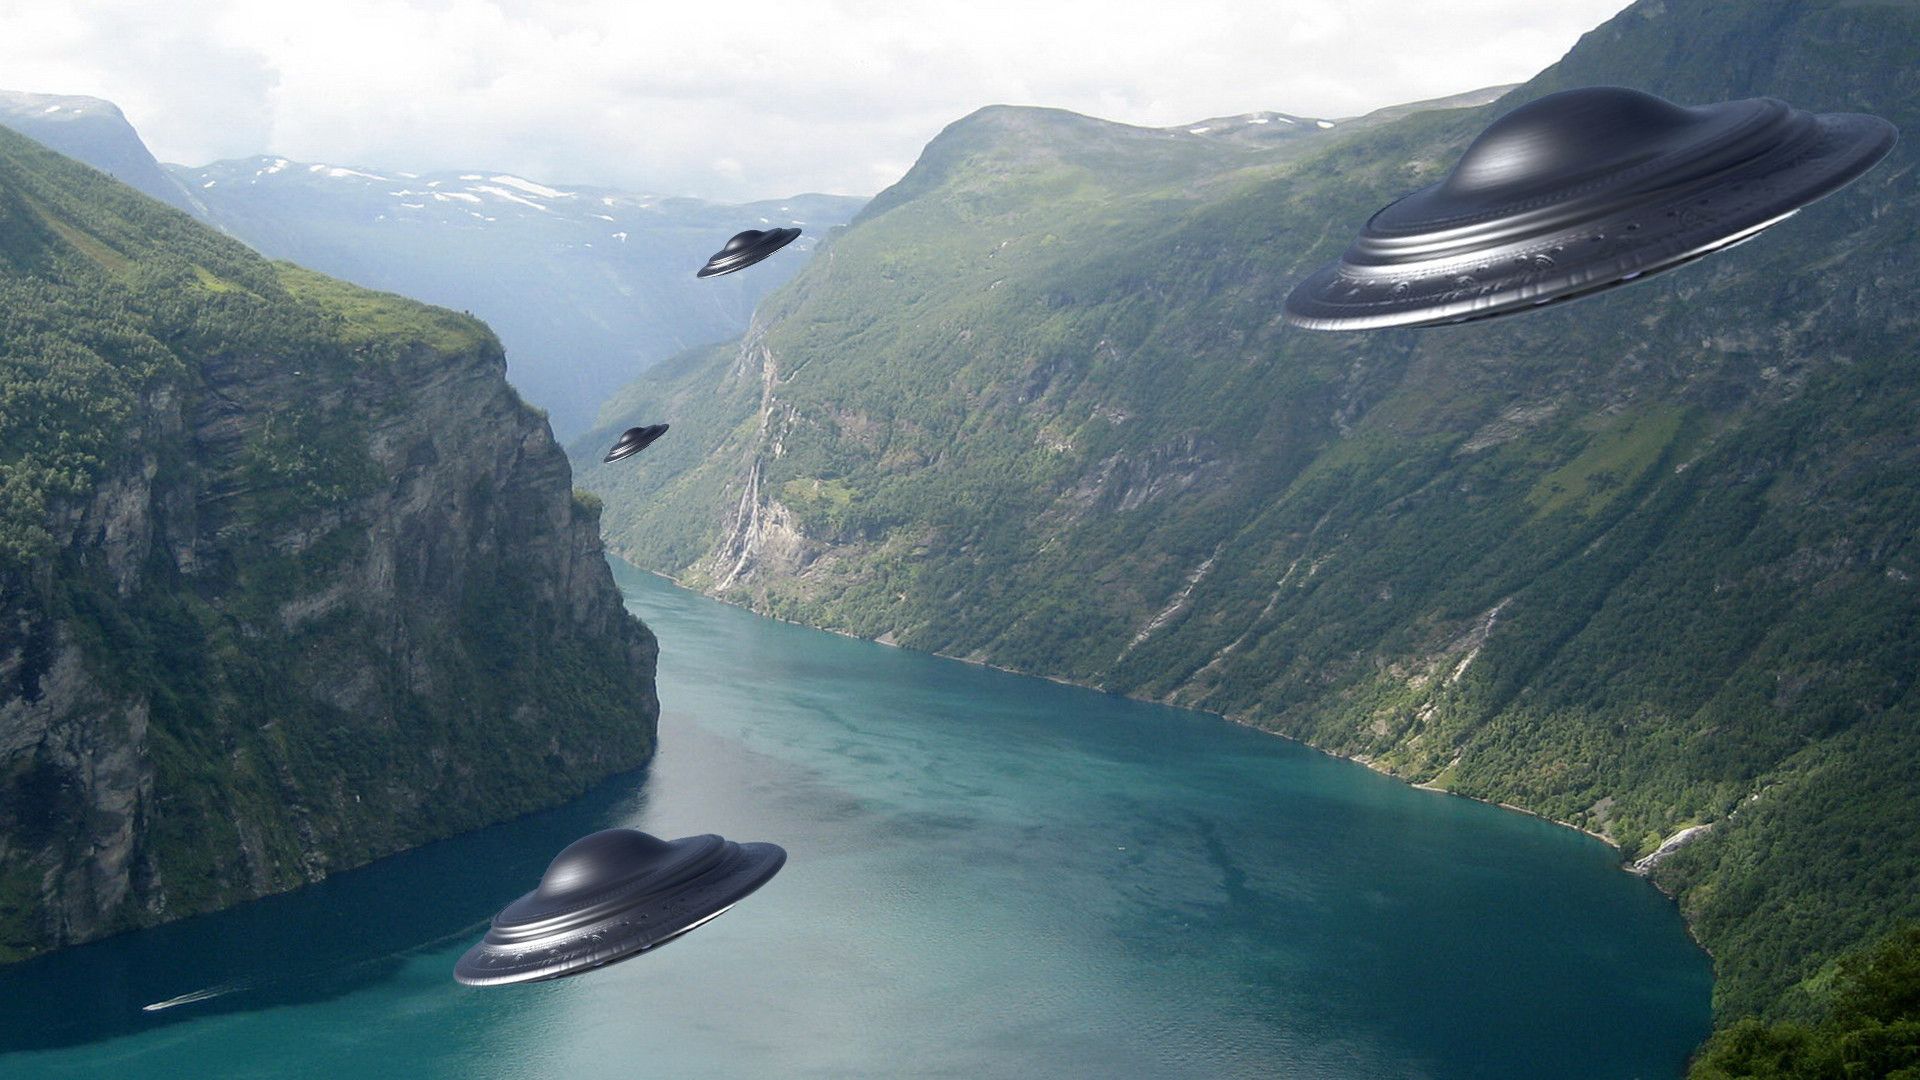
[{"x": 989, "y": 876}]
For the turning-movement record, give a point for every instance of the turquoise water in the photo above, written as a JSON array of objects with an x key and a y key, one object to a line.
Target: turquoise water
[{"x": 989, "y": 876}]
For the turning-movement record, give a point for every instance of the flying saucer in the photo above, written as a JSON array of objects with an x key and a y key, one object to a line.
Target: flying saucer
[
  {"x": 613, "y": 895},
  {"x": 745, "y": 249},
  {"x": 635, "y": 439},
  {"x": 1580, "y": 191}
]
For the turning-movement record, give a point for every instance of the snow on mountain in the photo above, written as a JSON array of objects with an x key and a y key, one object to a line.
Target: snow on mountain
[
  {"x": 95, "y": 132},
  {"x": 586, "y": 286},
  {"x": 532, "y": 188}
]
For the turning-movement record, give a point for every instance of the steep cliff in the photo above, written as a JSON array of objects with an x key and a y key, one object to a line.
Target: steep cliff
[
  {"x": 1643, "y": 563},
  {"x": 290, "y": 579}
]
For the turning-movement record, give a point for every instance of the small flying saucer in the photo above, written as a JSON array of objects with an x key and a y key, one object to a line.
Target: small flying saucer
[
  {"x": 611, "y": 896},
  {"x": 1580, "y": 191},
  {"x": 745, "y": 249},
  {"x": 634, "y": 440}
]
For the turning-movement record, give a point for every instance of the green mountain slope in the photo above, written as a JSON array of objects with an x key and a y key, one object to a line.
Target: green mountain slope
[
  {"x": 1643, "y": 563},
  {"x": 290, "y": 579},
  {"x": 977, "y": 214},
  {"x": 96, "y": 132}
]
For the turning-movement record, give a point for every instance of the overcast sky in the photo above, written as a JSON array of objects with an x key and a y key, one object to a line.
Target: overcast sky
[{"x": 739, "y": 99}]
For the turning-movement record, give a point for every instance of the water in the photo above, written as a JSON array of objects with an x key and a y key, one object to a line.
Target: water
[{"x": 989, "y": 876}]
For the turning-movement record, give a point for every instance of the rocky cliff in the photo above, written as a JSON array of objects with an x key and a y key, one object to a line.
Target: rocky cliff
[{"x": 290, "y": 578}]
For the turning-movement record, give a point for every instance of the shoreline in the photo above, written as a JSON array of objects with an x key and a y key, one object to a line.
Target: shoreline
[
  {"x": 1621, "y": 862},
  {"x": 1242, "y": 721}
]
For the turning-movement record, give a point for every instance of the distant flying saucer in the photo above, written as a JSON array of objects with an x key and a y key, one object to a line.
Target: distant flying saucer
[
  {"x": 613, "y": 895},
  {"x": 745, "y": 249},
  {"x": 1579, "y": 191},
  {"x": 634, "y": 440}
]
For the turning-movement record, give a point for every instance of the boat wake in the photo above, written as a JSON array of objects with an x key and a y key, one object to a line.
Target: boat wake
[{"x": 197, "y": 995}]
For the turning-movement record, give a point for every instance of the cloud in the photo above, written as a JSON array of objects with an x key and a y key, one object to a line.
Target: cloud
[
  {"x": 166, "y": 71},
  {"x": 733, "y": 100}
]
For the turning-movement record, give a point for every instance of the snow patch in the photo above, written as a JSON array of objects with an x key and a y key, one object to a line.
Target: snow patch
[
  {"x": 531, "y": 188},
  {"x": 1258, "y": 120},
  {"x": 443, "y": 196},
  {"x": 503, "y": 193},
  {"x": 209, "y": 183},
  {"x": 1199, "y": 130},
  {"x": 620, "y": 236},
  {"x": 50, "y": 109},
  {"x": 602, "y": 217},
  {"x": 1323, "y": 124},
  {"x": 339, "y": 173}
]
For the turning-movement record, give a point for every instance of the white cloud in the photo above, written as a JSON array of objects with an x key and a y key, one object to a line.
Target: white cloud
[{"x": 744, "y": 99}]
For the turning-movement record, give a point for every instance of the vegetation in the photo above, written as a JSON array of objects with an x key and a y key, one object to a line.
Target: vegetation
[
  {"x": 1639, "y": 563},
  {"x": 1871, "y": 1029},
  {"x": 207, "y": 464}
]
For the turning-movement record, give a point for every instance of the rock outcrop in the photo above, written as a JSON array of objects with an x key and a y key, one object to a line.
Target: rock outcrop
[{"x": 313, "y": 588}]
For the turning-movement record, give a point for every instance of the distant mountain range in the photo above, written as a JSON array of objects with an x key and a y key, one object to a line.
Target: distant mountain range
[
  {"x": 586, "y": 286},
  {"x": 93, "y": 131},
  {"x": 1644, "y": 563}
]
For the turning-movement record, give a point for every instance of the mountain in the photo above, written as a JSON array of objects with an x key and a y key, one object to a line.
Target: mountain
[
  {"x": 290, "y": 578},
  {"x": 1645, "y": 563},
  {"x": 96, "y": 132},
  {"x": 586, "y": 286}
]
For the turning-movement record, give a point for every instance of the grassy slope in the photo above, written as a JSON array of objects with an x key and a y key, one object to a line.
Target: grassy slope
[{"x": 1636, "y": 564}]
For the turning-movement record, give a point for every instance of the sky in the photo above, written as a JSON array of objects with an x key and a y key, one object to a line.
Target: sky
[{"x": 739, "y": 100}]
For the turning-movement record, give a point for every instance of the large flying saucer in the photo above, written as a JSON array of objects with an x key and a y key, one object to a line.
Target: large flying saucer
[
  {"x": 745, "y": 249},
  {"x": 633, "y": 440},
  {"x": 611, "y": 896},
  {"x": 1581, "y": 191}
]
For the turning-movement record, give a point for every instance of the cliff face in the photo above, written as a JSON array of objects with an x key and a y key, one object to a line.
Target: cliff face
[
  {"x": 1641, "y": 563},
  {"x": 290, "y": 578}
]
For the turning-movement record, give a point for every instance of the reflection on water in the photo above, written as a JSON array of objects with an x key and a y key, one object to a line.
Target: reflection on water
[{"x": 988, "y": 876}]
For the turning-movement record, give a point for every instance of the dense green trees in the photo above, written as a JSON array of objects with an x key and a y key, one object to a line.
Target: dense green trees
[{"x": 1871, "y": 1031}]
